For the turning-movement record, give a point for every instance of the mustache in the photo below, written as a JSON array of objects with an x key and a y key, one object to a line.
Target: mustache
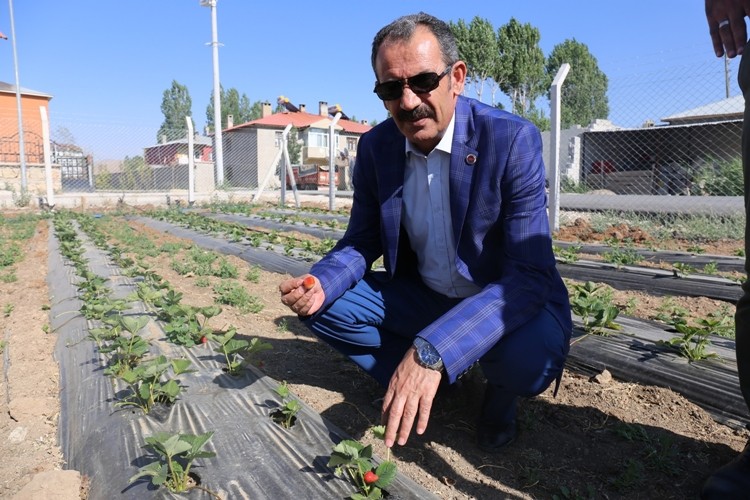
[{"x": 421, "y": 111}]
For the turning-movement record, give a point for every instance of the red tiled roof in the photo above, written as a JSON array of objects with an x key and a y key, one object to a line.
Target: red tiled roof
[{"x": 301, "y": 119}]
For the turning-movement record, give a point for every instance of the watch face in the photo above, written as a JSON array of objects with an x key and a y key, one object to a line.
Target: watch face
[{"x": 429, "y": 356}]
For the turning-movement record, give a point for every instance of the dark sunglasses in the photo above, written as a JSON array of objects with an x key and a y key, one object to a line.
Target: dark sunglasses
[{"x": 419, "y": 84}]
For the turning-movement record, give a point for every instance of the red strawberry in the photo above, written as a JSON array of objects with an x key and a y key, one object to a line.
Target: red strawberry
[
  {"x": 204, "y": 339},
  {"x": 308, "y": 282},
  {"x": 370, "y": 477}
]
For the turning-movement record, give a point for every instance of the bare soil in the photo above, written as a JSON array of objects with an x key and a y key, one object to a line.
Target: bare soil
[{"x": 599, "y": 438}]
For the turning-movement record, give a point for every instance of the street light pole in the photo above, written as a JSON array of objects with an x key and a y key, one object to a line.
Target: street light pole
[
  {"x": 219, "y": 145},
  {"x": 21, "y": 146}
]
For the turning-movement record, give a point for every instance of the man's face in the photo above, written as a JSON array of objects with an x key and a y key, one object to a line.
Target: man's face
[{"x": 422, "y": 117}]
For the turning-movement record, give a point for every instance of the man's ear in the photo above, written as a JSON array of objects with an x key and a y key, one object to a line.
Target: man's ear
[{"x": 458, "y": 76}]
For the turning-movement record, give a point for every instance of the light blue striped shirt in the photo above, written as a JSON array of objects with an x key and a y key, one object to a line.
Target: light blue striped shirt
[{"x": 427, "y": 217}]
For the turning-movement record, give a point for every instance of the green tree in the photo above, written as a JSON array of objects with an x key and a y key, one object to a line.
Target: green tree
[
  {"x": 135, "y": 172},
  {"x": 477, "y": 47},
  {"x": 232, "y": 103},
  {"x": 584, "y": 91},
  {"x": 537, "y": 117},
  {"x": 521, "y": 76},
  {"x": 175, "y": 106},
  {"x": 256, "y": 110},
  {"x": 103, "y": 179},
  {"x": 294, "y": 148}
]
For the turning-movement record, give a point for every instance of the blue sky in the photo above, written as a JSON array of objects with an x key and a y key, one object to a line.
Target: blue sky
[{"x": 108, "y": 62}]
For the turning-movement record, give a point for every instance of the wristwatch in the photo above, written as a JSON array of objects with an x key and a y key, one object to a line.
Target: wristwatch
[{"x": 427, "y": 355}]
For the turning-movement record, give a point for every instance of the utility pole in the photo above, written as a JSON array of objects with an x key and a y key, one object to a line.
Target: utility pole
[
  {"x": 19, "y": 111},
  {"x": 219, "y": 145}
]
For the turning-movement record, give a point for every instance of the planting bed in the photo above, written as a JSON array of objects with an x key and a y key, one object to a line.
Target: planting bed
[{"x": 597, "y": 439}]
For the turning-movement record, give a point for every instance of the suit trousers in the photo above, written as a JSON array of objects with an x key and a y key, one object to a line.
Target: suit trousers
[
  {"x": 375, "y": 322},
  {"x": 742, "y": 315}
]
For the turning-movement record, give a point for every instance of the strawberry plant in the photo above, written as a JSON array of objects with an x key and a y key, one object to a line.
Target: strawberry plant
[
  {"x": 567, "y": 255},
  {"x": 594, "y": 305},
  {"x": 287, "y": 414},
  {"x": 692, "y": 343},
  {"x": 147, "y": 385},
  {"x": 175, "y": 456},
  {"x": 354, "y": 460},
  {"x": 237, "y": 352},
  {"x": 127, "y": 350},
  {"x": 622, "y": 256},
  {"x": 682, "y": 269},
  {"x": 187, "y": 325}
]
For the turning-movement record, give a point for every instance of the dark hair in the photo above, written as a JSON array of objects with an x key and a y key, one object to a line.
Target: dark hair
[{"x": 403, "y": 28}]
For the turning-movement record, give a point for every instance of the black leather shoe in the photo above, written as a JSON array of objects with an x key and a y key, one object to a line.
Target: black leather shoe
[
  {"x": 493, "y": 438},
  {"x": 730, "y": 482},
  {"x": 497, "y": 421}
]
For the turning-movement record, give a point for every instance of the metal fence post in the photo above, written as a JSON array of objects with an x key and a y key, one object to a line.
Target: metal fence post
[
  {"x": 554, "y": 160},
  {"x": 332, "y": 163},
  {"x": 47, "y": 158}
]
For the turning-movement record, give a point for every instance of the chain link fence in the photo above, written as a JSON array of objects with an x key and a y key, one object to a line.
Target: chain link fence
[{"x": 674, "y": 130}]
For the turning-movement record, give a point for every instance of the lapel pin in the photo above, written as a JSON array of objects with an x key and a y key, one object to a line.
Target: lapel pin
[{"x": 471, "y": 159}]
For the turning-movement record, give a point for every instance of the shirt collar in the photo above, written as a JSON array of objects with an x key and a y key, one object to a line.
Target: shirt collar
[{"x": 445, "y": 144}]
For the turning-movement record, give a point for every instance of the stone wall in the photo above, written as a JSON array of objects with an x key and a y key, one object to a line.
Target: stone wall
[{"x": 10, "y": 179}]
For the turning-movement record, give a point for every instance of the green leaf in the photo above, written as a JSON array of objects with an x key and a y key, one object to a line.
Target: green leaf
[
  {"x": 197, "y": 441},
  {"x": 386, "y": 472},
  {"x": 129, "y": 376},
  {"x": 144, "y": 391},
  {"x": 235, "y": 345},
  {"x": 133, "y": 324},
  {"x": 337, "y": 459},
  {"x": 378, "y": 431},
  {"x": 348, "y": 447},
  {"x": 282, "y": 389},
  {"x": 175, "y": 445},
  {"x": 171, "y": 389},
  {"x": 210, "y": 311},
  {"x": 156, "y": 470},
  {"x": 180, "y": 366}
]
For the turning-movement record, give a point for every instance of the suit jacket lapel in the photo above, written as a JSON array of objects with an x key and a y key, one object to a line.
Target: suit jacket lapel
[
  {"x": 464, "y": 159},
  {"x": 391, "y": 183}
]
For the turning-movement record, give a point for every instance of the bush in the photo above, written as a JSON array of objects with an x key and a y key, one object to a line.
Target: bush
[
  {"x": 720, "y": 178},
  {"x": 568, "y": 185}
]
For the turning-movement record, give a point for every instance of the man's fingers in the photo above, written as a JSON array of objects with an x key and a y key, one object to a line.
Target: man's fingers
[
  {"x": 727, "y": 38},
  {"x": 391, "y": 418},
  {"x": 403, "y": 421},
  {"x": 739, "y": 32},
  {"x": 425, "y": 407}
]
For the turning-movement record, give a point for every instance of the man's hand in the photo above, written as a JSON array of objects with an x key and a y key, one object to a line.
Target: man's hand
[
  {"x": 726, "y": 25},
  {"x": 303, "y": 295},
  {"x": 410, "y": 394}
]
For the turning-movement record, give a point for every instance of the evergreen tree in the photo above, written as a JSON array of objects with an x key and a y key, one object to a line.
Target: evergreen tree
[
  {"x": 175, "y": 105},
  {"x": 522, "y": 76},
  {"x": 232, "y": 103},
  {"x": 584, "y": 91},
  {"x": 477, "y": 47}
]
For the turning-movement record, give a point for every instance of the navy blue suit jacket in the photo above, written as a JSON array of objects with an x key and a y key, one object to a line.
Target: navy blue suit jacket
[{"x": 500, "y": 225}]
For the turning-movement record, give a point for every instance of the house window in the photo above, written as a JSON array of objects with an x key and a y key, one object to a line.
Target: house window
[
  {"x": 351, "y": 144},
  {"x": 277, "y": 139},
  {"x": 317, "y": 138}
]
